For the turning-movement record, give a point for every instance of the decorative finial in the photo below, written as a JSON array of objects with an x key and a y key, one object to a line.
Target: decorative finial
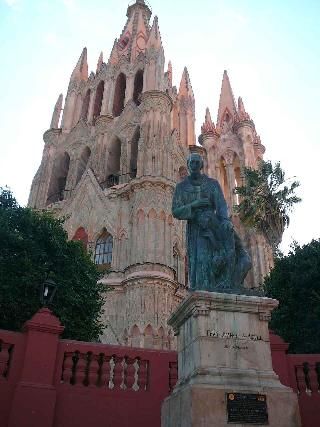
[{"x": 208, "y": 127}]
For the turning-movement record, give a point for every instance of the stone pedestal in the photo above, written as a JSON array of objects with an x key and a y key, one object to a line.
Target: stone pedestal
[{"x": 223, "y": 348}]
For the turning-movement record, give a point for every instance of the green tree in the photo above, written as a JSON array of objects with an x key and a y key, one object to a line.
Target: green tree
[
  {"x": 266, "y": 199},
  {"x": 34, "y": 245},
  {"x": 295, "y": 282}
]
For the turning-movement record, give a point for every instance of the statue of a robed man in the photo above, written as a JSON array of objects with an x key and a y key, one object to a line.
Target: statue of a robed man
[{"x": 217, "y": 260}]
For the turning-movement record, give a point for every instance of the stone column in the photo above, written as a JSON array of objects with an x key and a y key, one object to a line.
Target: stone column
[
  {"x": 129, "y": 88},
  {"x": 224, "y": 358},
  {"x": 68, "y": 112},
  {"x": 91, "y": 105},
  {"x": 77, "y": 109},
  {"x": 105, "y": 108},
  {"x": 124, "y": 169},
  {"x": 228, "y": 156}
]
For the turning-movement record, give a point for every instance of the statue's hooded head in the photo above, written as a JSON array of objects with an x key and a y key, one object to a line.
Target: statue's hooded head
[{"x": 194, "y": 163}]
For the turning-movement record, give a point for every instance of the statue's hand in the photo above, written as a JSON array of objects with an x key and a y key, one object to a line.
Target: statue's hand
[{"x": 201, "y": 203}]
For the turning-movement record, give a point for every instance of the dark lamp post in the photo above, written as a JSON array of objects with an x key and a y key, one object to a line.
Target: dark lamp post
[{"x": 47, "y": 290}]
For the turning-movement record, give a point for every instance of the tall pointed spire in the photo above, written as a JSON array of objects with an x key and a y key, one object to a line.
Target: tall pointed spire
[
  {"x": 242, "y": 114},
  {"x": 80, "y": 71},
  {"x": 56, "y": 113},
  {"x": 208, "y": 116},
  {"x": 241, "y": 108},
  {"x": 186, "y": 108},
  {"x": 135, "y": 33},
  {"x": 154, "y": 70},
  {"x": 114, "y": 57},
  {"x": 185, "y": 88},
  {"x": 100, "y": 61},
  {"x": 226, "y": 102},
  {"x": 154, "y": 37}
]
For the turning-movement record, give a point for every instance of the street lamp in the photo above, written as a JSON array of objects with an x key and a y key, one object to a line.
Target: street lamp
[{"x": 47, "y": 290}]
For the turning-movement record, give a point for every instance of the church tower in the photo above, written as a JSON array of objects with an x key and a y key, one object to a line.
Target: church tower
[
  {"x": 230, "y": 145},
  {"x": 111, "y": 166}
]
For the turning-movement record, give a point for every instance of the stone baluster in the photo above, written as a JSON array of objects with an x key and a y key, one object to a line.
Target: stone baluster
[
  {"x": 80, "y": 368},
  {"x": 67, "y": 368},
  {"x": 143, "y": 375},
  {"x": 117, "y": 372},
  {"x": 5, "y": 349},
  {"x": 93, "y": 370},
  {"x": 105, "y": 370},
  {"x": 129, "y": 373}
]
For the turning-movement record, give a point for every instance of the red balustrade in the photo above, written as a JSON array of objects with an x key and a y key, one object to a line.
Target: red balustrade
[{"x": 49, "y": 382}]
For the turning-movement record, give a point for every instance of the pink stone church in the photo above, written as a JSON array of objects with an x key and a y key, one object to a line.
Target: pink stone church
[{"x": 110, "y": 165}]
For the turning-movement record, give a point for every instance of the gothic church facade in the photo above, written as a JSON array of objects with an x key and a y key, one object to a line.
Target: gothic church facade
[{"x": 110, "y": 165}]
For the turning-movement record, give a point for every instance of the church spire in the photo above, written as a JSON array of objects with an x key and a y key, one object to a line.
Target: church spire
[
  {"x": 135, "y": 33},
  {"x": 100, "y": 61},
  {"x": 56, "y": 113},
  {"x": 154, "y": 69},
  {"x": 186, "y": 108},
  {"x": 154, "y": 40},
  {"x": 185, "y": 88},
  {"x": 80, "y": 71},
  {"x": 114, "y": 57},
  {"x": 208, "y": 127},
  {"x": 227, "y": 105},
  {"x": 241, "y": 108}
]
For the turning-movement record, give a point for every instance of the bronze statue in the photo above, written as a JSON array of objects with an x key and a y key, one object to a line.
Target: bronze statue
[{"x": 217, "y": 260}]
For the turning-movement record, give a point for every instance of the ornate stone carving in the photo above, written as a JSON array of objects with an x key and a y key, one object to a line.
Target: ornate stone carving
[
  {"x": 156, "y": 100},
  {"x": 228, "y": 157}
]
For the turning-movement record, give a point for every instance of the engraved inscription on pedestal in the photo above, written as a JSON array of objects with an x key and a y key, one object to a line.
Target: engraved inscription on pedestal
[
  {"x": 247, "y": 408},
  {"x": 225, "y": 374}
]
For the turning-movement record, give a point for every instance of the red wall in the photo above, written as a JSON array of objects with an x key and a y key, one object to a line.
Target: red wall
[
  {"x": 110, "y": 385},
  {"x": 48, "y": 382}
]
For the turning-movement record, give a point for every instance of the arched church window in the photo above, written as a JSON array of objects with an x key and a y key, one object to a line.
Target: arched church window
[
  {"x": 113, "y": 161},
  {"x": 98, "y": 100},
  {"x": 103, "y": 250},
  {"x": 85, "y": 105},
  {"x": 83, "y": 161},
  {"x": 138, "y": 87},
  {"x": 134, "y": 153},
  {"x": 81, "y": 236},
  {"x": 135, "y": 336},
  {"x": 119, "y": 95},
  {"x": 148, "y": 337},
  {"x": 59, "y": 178}
]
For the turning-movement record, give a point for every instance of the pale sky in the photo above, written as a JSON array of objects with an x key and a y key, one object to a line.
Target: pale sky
[{"x": 271, "y": 50}]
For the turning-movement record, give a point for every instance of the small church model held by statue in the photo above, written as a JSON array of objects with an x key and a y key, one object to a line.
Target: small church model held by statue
[{"x": 110, "y": 165}]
